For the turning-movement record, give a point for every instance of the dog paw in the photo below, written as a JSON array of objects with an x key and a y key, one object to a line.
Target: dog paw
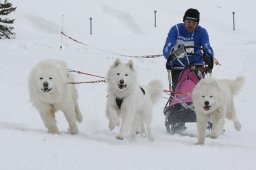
[
  {"x": 143, "y": 132},
  {"x": 237, "y": 126},
  {"x": 200, "y": 140},
  {"x": 200, "y": 143},
  {"x": 119, "y": 137},
  {"x": 73, "y": 130},
  {"x": 213, "y": 135},
  {"x": 53, "y": 130},
  {"x": 151, "y": 138}
]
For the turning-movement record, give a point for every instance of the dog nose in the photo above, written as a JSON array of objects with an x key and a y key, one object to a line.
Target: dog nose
[
  {"x": 121, "y": 81},
  {"x": 206, "y": 103},
  {"x": 45, "y": 84}
]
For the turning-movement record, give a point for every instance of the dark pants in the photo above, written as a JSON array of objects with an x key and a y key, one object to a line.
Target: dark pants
[{"x": 175, "y": 78}]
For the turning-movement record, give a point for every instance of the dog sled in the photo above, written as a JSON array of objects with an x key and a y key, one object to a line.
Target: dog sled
[{"x": 179, "y": 108}]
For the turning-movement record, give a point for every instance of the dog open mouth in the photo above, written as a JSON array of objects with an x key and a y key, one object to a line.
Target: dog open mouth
[
  {"x": 46, "y": 90},
  {"x": 122, "y": 86},
  {"x": 207, "y": 107}
]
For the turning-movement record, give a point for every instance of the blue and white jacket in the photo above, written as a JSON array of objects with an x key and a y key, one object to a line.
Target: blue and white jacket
[{"x": 178, "y": 34}]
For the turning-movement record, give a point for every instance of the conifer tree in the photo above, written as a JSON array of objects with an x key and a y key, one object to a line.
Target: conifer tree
[{"x": 6, "y": 28}]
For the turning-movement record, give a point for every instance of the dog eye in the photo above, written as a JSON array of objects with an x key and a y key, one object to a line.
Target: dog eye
[
  {"x": 118, "y": 74},
  {"x": 203, "y": 96},
  {"x": 50, "y": 78},
  {"x": 126, "y": 74},
  {"x": 211, "y": 96},
  {"x": 41, "y": 78}
]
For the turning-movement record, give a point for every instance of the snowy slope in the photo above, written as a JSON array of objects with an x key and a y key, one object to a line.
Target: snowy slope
[{"x": 124, "y": 27}]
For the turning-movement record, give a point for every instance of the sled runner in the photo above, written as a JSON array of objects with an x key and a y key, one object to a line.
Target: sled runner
[{"x": 182, "y": 80}]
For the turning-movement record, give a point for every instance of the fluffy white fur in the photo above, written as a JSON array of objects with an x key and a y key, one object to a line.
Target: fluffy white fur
[
  {"x": 136, "y": 107},
  {"x": 213, "y": 102},
  {"x": 49, "y": 92}
]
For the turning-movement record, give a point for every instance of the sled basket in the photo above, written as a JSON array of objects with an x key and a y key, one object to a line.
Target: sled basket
[{"x": 178, "y": 114}]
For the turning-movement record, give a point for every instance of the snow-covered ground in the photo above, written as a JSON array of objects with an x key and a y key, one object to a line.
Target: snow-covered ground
[{"x": 124, "y": 27}]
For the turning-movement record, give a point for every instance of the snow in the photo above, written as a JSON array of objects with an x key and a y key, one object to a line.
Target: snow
[{"x": 124, "y": 27}]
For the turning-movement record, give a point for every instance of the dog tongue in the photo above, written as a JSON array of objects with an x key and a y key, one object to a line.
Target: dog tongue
[{"x": 207, "y": 108}]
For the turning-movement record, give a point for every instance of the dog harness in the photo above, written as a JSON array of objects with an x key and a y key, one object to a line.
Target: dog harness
[
  {"x": 119, "y": 101},
  {"x": 143, "y": 91}
]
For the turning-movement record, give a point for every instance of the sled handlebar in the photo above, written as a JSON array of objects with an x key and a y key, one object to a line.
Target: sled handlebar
[
  {"x": 172, "y": 56},
  {"x": 200, "y": 48}
]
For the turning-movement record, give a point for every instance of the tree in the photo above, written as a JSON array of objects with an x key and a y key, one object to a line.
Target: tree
[{"x": 6, "y": 31}]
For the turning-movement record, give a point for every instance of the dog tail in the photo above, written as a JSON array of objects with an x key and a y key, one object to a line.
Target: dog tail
[
  {"x": 236, "y": 84},
  {"x": 155, "y": 88}
]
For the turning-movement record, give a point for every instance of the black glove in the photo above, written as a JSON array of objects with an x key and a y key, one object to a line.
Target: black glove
[
  {"x": 175, "y": 53},
  {"x": 208, "y": 60},
  {"x": 170, "y": 59}
]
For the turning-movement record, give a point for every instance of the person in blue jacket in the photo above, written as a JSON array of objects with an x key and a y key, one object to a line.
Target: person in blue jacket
[{"x": 188, "y": 33}]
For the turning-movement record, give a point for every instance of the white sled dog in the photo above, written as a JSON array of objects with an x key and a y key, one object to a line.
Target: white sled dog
[
  {"x": 213, "y": 102},
  {"x": 129, "y": 101},
  {"x": 49, "y": 92}
]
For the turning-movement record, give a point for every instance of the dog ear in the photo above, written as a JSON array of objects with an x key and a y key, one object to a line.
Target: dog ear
[
  {"x": 117, "y": 62},
  {"x": 130, "y": 64}
]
